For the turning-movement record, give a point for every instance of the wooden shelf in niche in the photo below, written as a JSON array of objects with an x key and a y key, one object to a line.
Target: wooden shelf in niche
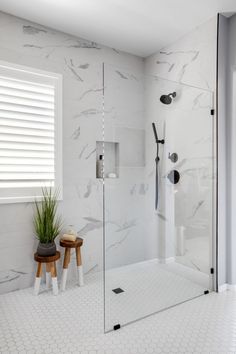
[{"x": 111, "y": 158}]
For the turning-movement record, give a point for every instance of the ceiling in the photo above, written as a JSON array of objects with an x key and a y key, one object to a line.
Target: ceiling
[{"x": 139, "y": 27}]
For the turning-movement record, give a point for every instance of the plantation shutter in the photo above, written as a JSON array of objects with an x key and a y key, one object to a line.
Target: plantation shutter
[{"x": 28, "y": 141}]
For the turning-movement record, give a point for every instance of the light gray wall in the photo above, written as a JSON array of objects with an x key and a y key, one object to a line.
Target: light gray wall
[
  {"x": 223, "y": 154},
  {"x": 231, "y": 148},
  {"x": 227, "y": 149}
]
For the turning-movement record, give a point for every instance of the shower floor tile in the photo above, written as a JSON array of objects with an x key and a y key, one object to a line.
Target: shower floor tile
[
  {"x": 72, "y": 322},
  {"x": 149, "y": 287}
]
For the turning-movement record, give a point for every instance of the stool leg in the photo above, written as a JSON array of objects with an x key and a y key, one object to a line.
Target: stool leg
[
  {"x": 48, "y": 275},
  {"x": 38, "y": 279},
  {"x": 65, "y": 268},
  {"x": 54, "y": 278},
  {"x": 79, "y": 266}
]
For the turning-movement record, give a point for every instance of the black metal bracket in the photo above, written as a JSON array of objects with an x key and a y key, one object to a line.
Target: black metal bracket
[
  {"x": 212, "y": 112},
  {"x": 206, "y": 292},
  {"x": 162, "y": 141},
  {"x": 212, "y": 270},
  {"x": 117, "y": 326}
]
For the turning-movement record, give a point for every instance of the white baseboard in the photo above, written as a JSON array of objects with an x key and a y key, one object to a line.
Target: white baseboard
[
  {"x": 231, "y": 287},
  {"x": 166, "y": 260},
  {"x": 225, "y": 287},
  {"x": 222, "y": 288}
]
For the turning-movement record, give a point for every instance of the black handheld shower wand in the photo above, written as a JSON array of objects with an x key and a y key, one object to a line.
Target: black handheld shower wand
[{"x": 162, "y": 141}]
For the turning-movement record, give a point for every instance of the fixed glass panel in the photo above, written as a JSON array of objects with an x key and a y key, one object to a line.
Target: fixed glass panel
[{"x": 158, "y": 165}]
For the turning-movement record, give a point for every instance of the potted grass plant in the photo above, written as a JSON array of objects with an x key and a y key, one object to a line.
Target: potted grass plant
[{"x": 47, "y": 224}]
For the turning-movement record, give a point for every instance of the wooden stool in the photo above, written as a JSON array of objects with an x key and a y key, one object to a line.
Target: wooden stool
[
  {"x": 68, "y": 245},
  {"x": 50, "y": 269}
]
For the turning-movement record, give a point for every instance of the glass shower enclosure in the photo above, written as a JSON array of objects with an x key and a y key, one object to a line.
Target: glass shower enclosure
[{"x": 158, "y": 174}]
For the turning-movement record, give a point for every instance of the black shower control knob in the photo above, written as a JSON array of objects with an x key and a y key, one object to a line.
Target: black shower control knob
[
  {"x": 173, "y": 157},
  {"x": 173, "y": 176}
]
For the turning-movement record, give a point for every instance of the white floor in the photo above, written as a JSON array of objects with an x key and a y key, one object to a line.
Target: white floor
[{"x": 73, "y": 322}]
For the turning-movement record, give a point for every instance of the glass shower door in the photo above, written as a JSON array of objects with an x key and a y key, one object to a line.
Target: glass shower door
[{"x": 158, "y": 198}]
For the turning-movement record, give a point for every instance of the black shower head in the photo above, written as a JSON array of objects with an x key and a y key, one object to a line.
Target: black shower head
[{"x": 167, "y": 99}]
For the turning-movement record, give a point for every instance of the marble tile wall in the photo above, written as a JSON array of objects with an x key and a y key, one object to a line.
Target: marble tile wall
[
  {"x": 134, "y": 231},
  {"x": 80, "y": 63},
  {"x": 187, "y": 67}
]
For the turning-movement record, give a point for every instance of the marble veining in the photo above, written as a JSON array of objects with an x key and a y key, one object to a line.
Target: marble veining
[
  {"x": 88, "y": 112},
  {"x": 118, "y": 243},
  {"x": 121, "y": 75},
  {"x": 83, "y": 150},
  {"x": 70, "y": 65},
  {"x": 196, "y": 208},
  {"x": 76, "y": 134},
  {"x": 91, "y": 225},
  {"x": 33, "y": 30},
  {"x": 84, "y": 66},
  {"x": 89, "y": 91},
  {"x": 171, "y": 65},
  {"x": 91, "y": 153}
]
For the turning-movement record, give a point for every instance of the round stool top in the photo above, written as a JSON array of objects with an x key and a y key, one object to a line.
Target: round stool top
[
  {"x": 46, "y": 259},
  {"x": 72, "y": 244}
]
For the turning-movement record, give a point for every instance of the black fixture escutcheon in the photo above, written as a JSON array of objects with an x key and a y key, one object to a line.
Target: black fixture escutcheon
[{"x": 173, "y": 176}]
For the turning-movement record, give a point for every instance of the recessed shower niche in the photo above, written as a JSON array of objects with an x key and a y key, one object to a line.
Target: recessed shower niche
[{"x": 111, "y": 163}]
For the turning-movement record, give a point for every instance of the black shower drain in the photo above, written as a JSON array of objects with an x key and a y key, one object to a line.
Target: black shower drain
[{"x": 117, "y": 290}]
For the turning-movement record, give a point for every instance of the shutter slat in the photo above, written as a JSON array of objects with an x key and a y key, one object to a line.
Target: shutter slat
[
  {"x": 14, "y": 160},
  {"x": 25, "y": 146},
  {"x": 26, "y": 85},
  {"x": 26, "y": 184},
  {"x": 25, "y": 139},
  {"x": 26, "y": 116},
  {"x": 26, "y": 168},
  {"x": 10, "y": 91},
  {"x": 26, "y": 132},
  {"x": 26, "y": 102},
  {"x": 5, "y": 176},
  {"x": 25, "y": 153},
  {"x": 10, "y": 107},
  {"x": 14, "y": 124}
]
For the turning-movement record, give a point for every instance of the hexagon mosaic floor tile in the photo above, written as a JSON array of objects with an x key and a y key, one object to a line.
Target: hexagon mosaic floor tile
[{"x": 72, "y": 322}]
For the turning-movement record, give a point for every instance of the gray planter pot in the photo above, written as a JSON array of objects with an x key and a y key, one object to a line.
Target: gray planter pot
[{"x": 46, "y": 249}]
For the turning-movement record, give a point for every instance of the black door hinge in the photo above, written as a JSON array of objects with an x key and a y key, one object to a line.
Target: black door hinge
[
  {"x": 212, "y": 112},
  {"x": 212, "y": 270},
  {"x": 117, "y": 326},
  {"x": 206, "y": 292}
]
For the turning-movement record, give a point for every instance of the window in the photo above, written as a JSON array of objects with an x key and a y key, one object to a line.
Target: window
[{"x": 30, "y": 132}]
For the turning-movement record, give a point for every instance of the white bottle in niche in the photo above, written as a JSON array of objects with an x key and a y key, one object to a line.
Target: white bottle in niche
[{"x": 100, "y": 167}]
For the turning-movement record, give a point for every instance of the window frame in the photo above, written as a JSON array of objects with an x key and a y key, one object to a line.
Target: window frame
[{"x": 57, "y": 80}]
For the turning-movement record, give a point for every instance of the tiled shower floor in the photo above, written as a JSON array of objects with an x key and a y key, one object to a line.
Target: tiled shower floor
[
  {"x": 73, "y": 322},
  {"x": 149, "y": 287}
]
